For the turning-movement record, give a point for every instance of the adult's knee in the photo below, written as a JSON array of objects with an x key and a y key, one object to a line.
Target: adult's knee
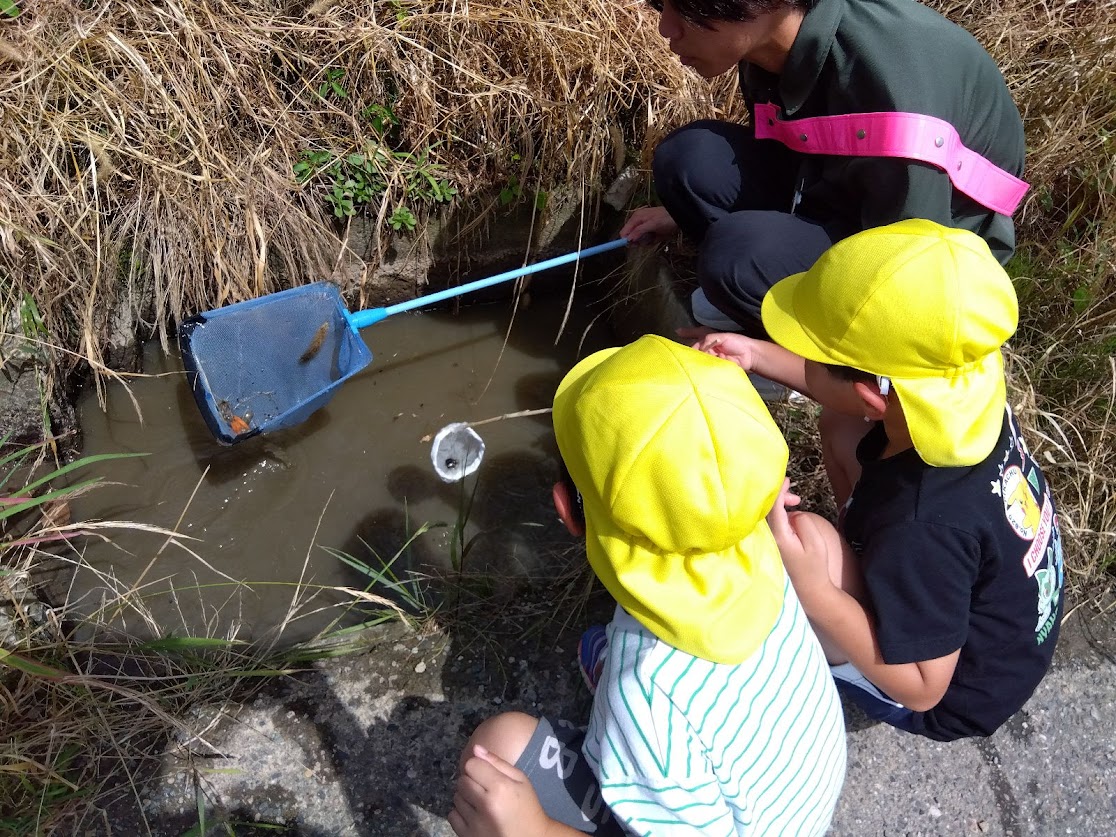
[
  {"x": 732, "y": 265},
  {"x": 698, "y": 173},
  {"x": 745, "y": 253},
  {"x": 680, "y": 151},
  {"x": 710, "y": 168}
]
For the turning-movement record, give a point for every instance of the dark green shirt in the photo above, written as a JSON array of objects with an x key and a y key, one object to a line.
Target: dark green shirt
[{"x": 864, "y": 56}]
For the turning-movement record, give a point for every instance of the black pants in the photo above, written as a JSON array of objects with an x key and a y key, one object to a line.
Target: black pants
[{"x": 732, "y": 195}]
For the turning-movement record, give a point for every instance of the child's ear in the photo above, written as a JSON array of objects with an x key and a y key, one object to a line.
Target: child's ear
[
  {"x": 563, "y": 502},
  {"x": 874, "y": 404}
]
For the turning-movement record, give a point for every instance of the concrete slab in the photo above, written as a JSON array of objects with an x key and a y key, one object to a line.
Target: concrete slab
[{"x": 367, "y": 747}]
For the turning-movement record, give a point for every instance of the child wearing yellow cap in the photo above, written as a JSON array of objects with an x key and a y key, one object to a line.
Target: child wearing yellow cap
[
  {"x": 940, "y": 608},
  {"x": 714, "y": 712}
]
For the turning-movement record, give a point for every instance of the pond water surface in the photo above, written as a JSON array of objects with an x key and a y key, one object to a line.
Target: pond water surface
[{"x": 355, "y": 477}]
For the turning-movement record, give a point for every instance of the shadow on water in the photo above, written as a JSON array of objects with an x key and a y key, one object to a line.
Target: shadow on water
[
  {"x": 506, "y": 645},
  {"x": 356, "y": 477},
  {"x": 259, "y": 512},
  {"x": 503, "y": 535}
]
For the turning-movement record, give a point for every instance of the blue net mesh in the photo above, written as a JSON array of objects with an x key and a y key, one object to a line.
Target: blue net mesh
[{"x": 268, "y": 363}]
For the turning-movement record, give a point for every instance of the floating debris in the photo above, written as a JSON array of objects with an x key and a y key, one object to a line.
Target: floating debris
[{"x": 237, "y": 424}]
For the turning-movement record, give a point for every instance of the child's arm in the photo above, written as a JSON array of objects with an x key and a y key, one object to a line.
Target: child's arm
[
  {"x": 495, "y": 799},
  {"x": 770, "y": 360},
  {"x": 811, "y": 547}
]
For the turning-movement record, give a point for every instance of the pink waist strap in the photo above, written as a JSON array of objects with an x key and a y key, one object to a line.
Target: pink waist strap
[{"x": 909, "y": 135}]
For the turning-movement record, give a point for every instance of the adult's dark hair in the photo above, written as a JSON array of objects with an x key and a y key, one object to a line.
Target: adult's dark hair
[{"x": 734, "y": 10}]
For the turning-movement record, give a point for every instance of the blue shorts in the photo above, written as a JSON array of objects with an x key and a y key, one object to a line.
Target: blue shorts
[{"x": 871, "y": 700}]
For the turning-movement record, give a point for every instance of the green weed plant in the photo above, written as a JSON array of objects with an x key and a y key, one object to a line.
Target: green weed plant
[
  {"x": 357, "y": 182},
  {"x": 393, "y": 596},
  {"x": 42, "y": 771}
]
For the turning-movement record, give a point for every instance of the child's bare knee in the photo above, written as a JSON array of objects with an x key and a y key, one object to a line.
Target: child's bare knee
[{"x": 506, "y": 735}]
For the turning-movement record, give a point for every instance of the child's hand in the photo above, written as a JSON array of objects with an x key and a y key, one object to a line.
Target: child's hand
[
  {"x": 735, "y": 347},
  {"x": 787, "y": 499},
  {"x": 806, "y": 542},
  {"x": 779, "y": 520},
  {"x": 494, "y": 799}
]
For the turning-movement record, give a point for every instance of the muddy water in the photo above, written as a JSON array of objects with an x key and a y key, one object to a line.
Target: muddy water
[{"x": 356, "y": 477}]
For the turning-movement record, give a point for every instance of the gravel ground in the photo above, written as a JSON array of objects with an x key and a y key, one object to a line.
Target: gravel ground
[{"x": 368, "y": 746}]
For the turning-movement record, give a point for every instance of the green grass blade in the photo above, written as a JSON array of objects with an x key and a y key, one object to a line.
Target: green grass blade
[
  {"x": 29, "y": 666},
  {"x": 189, "y": 643},
  {"x": 9, "y": 511},
  {"x": 80, "y": 463}
]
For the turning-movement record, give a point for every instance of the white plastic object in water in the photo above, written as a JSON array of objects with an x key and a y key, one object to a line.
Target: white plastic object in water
[{"x": 456, "y": 452}]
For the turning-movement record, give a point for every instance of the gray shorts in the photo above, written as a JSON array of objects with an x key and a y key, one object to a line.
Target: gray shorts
[{"x": 566, "y": 786}]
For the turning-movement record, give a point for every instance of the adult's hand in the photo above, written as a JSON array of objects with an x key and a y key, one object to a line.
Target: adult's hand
[
  {"x": 648, "y": 225},
  {"x": 494, "y": 799}
]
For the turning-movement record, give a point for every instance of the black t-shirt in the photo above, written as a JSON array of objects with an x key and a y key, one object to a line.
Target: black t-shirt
[{"x": 967, "y": 558}]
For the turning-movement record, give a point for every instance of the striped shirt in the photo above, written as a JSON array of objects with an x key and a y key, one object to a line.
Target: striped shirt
[{"x": 684, "y": 746}]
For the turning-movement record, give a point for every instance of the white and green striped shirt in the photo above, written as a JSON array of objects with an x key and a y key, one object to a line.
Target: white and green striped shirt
[{"x": 684, "y": 746}]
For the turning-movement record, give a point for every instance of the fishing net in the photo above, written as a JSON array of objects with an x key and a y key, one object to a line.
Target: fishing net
[{"x": 266, "y": 364}]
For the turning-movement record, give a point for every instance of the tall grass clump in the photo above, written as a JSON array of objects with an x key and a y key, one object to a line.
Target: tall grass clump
[
  {"x": 1059, "y": 59},
  {"x": 149, "y": 154}
]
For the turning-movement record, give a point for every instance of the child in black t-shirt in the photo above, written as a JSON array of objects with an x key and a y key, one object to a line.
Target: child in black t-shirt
[{"x": 939, "y": 608}]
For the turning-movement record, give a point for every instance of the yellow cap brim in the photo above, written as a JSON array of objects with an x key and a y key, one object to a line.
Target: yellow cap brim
[
  {"x": 718, "y": 606},
  {"x": 784, "y": 326}
]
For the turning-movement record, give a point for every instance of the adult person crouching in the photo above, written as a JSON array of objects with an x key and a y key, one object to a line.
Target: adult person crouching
[{"x": 864, "y": 112}]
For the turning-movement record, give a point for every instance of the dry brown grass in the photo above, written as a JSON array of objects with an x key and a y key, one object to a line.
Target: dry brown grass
[
  {"x": 147, "y": 152},
  {"x": 1060, "y": 61}
]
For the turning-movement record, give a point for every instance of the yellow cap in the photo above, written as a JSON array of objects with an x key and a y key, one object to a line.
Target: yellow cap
[
  {"x": 678, "y": 462},
  {"x": 925, "y": 305}
]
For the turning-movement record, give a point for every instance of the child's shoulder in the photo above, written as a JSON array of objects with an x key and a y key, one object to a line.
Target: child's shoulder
[
  {"x": 996, "y": 515},
  {"x": 638, "y": 656}
]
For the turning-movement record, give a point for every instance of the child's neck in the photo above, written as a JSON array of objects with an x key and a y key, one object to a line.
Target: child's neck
[{"x": 898, "y": 436}]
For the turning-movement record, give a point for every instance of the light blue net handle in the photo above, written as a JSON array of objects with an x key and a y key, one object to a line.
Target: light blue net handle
[{"x": 360, "y": 319}]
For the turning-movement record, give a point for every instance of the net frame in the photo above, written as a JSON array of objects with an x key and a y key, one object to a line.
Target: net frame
[{"x": 267, "y": 364}]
